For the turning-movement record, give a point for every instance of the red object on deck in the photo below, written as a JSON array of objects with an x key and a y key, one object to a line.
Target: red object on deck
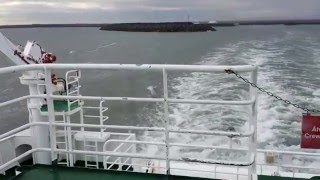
[
  {"x": 310, "y": 134},
  {"x": 48, "y": 58}
]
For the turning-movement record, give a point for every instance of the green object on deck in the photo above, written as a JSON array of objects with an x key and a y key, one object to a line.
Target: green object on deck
[{"x": 60, "y": 106}]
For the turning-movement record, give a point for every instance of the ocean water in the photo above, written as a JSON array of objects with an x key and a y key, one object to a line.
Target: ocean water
[{"x": 289, "y": 66}]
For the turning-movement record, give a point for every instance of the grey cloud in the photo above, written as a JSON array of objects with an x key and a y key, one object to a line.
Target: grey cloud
[{"x": 102, "y": 11}]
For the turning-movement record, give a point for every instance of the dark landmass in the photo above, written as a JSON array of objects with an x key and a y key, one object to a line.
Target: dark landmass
[
  {"x": 159, "y": 27},
  {"x": 173, "y": 25}
]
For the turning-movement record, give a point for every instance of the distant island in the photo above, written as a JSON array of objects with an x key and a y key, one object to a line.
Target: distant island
[
  {"x": 160, "y": 27},
  {"x": 171, "y": 26}
]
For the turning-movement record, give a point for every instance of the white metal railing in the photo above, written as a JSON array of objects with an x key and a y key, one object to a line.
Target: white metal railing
[
  {"x": 131, "y": 155},
  {"x": 251, "y": 134}
]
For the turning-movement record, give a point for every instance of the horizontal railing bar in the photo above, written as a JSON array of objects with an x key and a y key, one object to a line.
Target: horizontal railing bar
[
  {"x": 207, "y": 147},
  {"x": 117, "y": 154},
  {"x": 91, "y": 116},
  {"x": 141, "y": 99},
  {"x": 135, "y": 155},
  {"x": 16, "y": 159},
  {"x": 203, "y": 68},
  {"x": 198, "y": 101},
  {"x": 23, "y": 127},
  {"x": 159, "y": 67},
  {"x": 20, "y": 68},
  {"x": 288, "y": 166},
  {"x": 203, "y": 132},
  {"x": 95, "y": 116},
  {"x": 16, "y": 130},
  {"x": 219, "y": 162},
  {"x": 206, "y": 171},
  {"x": 25, "y": 154},
  {"x": 109, "y": 98},
  {"x": 174, "y": 144},
  {"x": 6, "y": 138},
  {"x": 110, "y": 127},
  {"x": 288, "y": 152},
  {"x": 90, "y": 107},
  {"x": 134, "y": 142},
  {"x": 191, "y": 101},
  {"x": 2, "y": 104}
]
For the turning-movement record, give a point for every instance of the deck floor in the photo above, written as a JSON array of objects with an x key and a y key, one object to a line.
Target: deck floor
[{"x": 40, "y": 172}]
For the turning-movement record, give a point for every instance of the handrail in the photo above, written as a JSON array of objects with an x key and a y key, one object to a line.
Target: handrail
[
  {"x": 174, "y": 144},
  {"x": 27, "y": 153},
  {"x": 136, "y": 155},
  {"x": 23, "y": 127},
  {"x": 220, "y": 162},
  {"x": 196, "y": 101},
  {"x": 15, "y": 100},
  {"x": 288, "y": 152},
  {"x": 169, "y": 100},
  {"x": 158, "y": 67},
  {"x": 221, "y": 133},
  {"x": 289, "y": 166}
]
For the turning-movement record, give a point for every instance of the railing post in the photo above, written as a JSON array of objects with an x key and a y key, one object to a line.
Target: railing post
[
  {"x": 166, "y": 118},
  {"x": 101, "y": 115},
  {"x": 69, "y": 141},
  {"x": 51, "y": 116},
  {"x": 81, "y": 118},
  {"x": 253, "y": 123}
]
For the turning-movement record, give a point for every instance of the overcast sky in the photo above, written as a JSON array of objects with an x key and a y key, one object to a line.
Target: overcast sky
[{"x": 105, "y": 11}]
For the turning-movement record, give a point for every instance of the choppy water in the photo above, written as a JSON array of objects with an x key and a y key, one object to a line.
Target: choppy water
[{"x": 288, "y": 59}]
